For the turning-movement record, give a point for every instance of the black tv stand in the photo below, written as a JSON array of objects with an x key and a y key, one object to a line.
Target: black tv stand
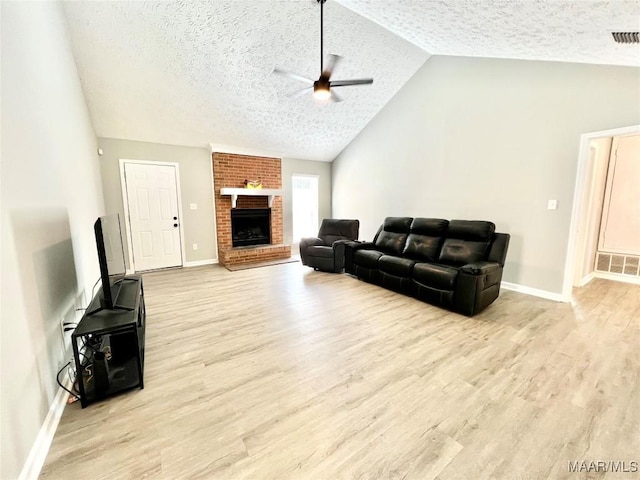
[
  {"x": 108, "y": 345},
  {"x": 115, "y": 307}
]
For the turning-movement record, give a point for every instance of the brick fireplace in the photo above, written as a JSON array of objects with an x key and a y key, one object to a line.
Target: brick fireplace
[{"x": 230, "y": 171}]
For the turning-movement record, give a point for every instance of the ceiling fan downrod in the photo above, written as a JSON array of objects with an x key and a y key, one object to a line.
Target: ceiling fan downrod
[{"x": 321, "y": 2}]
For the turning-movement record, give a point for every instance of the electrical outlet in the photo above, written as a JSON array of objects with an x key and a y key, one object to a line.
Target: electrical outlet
[
  {"x": 67, "y": 326},
  {"x": 194, "y": 246},
  {"x": 193, "y": 206},
  {"x": 552, "y": 204}
]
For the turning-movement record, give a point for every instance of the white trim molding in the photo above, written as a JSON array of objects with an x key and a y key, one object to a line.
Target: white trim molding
[
  {"x": 252, "y": 192},
  {"x": 536, "y": 292},
  {"x": 617, "y": 277},
  {"x": 587, "y": 279},
  {"x": 40, "y": 448},
  {"x": 199, "y": 263}
]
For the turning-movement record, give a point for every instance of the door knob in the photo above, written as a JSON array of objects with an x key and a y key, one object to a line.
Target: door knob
[
  {"x": 175, "y": 224},
  {"x": 175, "y": 218}
]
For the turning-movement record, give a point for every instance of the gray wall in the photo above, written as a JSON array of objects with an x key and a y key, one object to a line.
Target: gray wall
[
  {"x": 292, "y": 166},
  {"x": 195, "y": 185},
  {"x": 50, "y": 196},
  {"x": 490, "y": 139}
]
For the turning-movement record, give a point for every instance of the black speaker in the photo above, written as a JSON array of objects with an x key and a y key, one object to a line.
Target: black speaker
[
  {"x": 100, "y": 373},
  {"x": 123, "y": 347}
]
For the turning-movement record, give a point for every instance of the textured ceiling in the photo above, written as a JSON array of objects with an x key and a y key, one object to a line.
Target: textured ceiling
[
  {"x": 557, "y": 30},
  {"x": 194, "y": 73},
  {"x": 199, "y": 72}
]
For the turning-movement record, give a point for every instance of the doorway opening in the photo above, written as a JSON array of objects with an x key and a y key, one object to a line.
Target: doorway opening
[
  {"x": 304, "y": 200},
  {"x": 587, "y": 212}
]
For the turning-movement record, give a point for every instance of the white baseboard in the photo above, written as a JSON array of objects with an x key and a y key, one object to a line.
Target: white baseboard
[
  {"x": 40, "y": 448},
  {"x": 587, "y": 279},
  {"x": 199, "y": 263},
  {"x": 556, "y": 297},
  {"x": 618, "y": 277}
]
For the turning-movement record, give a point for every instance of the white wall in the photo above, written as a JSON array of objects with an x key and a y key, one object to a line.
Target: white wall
[
  {"x": 292, "y": 166},
  {"x": 490, "y": 139},
  {"x": 195, "y": 186},
  {"x": 50, "y": 196}
]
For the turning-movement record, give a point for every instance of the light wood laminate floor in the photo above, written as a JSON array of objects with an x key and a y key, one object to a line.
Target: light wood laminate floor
[{"x": 283, "y": 372}]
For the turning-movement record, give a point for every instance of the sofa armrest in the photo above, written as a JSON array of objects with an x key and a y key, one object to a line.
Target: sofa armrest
[
  {"x": 306, "y": 243},
  {"x": 480, "y": 268},
  {"x": 349, "y": 248},
  {"x": 477, "y": 286},
  {"x": 311, "y": 241},
  {"x": 339, "y": 247},
  {"x": 340, "y": 244},
  {"x": 360, "y": 245}
]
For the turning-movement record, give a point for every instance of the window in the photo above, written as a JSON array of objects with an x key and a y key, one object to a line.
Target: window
[{"x": 304, "y": 201}]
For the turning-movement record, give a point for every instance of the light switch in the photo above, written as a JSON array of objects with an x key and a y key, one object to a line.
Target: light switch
[
  {"x": 194, "y": 246},
  {"x": 193, "y": 206},
  {"x": 552, "y": 204}
]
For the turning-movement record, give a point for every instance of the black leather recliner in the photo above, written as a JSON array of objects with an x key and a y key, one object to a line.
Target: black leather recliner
[{"x": 326, "y": 251}]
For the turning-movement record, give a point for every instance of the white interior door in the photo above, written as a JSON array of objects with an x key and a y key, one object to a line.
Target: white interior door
[
  {"x": 620, "y": 228},
  {"x": 152, "y": 196}
]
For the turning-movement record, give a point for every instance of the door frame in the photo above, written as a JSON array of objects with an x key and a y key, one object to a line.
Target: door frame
[
  {"x": 125, "y": 204},
  {"x": 579, "y": 204}
]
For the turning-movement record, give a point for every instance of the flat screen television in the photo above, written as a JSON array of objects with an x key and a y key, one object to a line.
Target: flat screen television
[{"x": 111, "y": 257}]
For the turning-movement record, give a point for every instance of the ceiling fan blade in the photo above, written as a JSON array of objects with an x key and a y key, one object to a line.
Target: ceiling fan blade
[
  {"x": 295, "y": 76},
  {"x": 300, "y": 93},
  {"x": 332, "y": 61},
  {"x": 346, "y": 83},
  {"x": 335, "y": 97}
]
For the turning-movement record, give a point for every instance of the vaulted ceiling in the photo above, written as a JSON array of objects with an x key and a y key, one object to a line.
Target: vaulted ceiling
[{"x": 195, "y": 73}]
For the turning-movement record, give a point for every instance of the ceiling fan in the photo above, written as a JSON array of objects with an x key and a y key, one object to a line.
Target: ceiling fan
[{"x": 322, "y": 88}]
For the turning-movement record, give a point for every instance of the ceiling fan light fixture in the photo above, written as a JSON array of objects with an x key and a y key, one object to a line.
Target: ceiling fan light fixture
[{"x": 321, "y": 91}]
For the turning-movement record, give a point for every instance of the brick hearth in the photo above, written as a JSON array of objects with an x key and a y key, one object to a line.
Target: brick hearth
[{"x": 230, "y": 171}]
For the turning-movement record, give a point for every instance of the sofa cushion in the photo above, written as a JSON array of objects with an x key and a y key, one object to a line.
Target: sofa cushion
[
  {"x": 393, "y": 235},
  {"x": 425, "y": 239},
  {"x": 333, "y": 229},
  {"x": 467, "y": 241},
  {"x": 441, "y": 277},
  {"x": 367, "y": 258},
  {"x": 398, "y": 266},
  {"x": 320, "y": 251}
]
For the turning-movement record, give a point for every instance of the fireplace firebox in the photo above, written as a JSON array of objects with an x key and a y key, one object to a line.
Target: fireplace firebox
[{"x": 250, "y": 226}]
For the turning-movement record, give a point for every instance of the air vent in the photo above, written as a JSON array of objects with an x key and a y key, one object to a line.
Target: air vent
[
  {"x": 623, "y": 264},
  {"x": 626, "y": 37}
]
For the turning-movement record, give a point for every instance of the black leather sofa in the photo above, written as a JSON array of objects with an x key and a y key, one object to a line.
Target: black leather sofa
[
  {"x": 326, "y": 251},
  {"x": 455, "y": 264}
]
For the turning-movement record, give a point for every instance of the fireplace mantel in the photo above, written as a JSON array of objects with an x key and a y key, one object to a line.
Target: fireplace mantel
[{"x": 252, "y": 192}]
